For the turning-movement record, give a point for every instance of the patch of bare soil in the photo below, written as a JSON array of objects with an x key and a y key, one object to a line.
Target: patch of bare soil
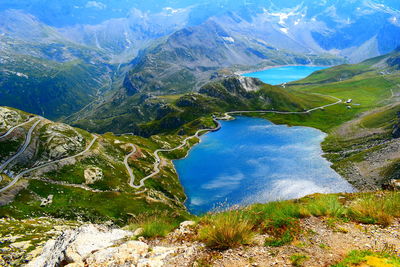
[{"x": 322, "y": 243}]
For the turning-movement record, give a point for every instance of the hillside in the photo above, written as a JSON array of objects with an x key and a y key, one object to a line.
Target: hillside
[
  {"x": 361, "y": 143},
  {"x": 54, "y": 170},
  {"x": 146, "y": 114},
  {"x": 189, "y": 58},
  {"x": 43, "y": 73},
  {"x": 41, "y": 158},
  {"x": 68, "y": 173}
]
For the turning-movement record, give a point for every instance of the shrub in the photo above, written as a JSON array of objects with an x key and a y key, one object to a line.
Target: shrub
[
  {"x": 298, "y": 259},
  {"x": 358, "y": 257},
  {"x": 157, "y": 228},
  {"x": 226, "y": 230},
  {"x": 156, "y": 225},
  {"x": 327, "y": 205},
  {"x": 282, "y": 231},
  {"x": 376, "y": 209}
]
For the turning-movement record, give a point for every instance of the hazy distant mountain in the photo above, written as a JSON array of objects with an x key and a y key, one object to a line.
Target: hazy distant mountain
[
  {"x": 42, "y": 72},
  {"x": 336, "y": 26},
  {"x": 191, "y": 57},
  {"x": 177, "y": 45}
]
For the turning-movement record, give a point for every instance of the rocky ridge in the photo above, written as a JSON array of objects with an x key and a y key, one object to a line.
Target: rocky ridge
[{"x": 322, "y": 243}]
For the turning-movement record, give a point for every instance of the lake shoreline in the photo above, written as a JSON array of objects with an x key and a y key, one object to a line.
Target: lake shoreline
[
  {"x": 200, "y": 179},
  {"x": 241, "y": 73}
]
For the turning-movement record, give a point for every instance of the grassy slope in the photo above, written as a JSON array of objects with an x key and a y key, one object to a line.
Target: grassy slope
[
  {"x": 190, "y": 111},
  {"x": 373, "y": 111},
  {"x": 146, "y": 116},
  {"x": 55, "y": 89},
  {"x": 117, "y": 202},
  {"x": 366, "y": 89}
]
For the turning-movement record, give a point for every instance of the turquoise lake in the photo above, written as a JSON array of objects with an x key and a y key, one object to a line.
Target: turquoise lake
[
  {"x": 285, "y": 74},
  {"x": 251, "y": 160}
]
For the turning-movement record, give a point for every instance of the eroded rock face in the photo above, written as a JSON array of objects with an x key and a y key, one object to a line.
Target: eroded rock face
[
  {"x": 93, "y": 174},
  {"x": 9, "y": 118},
  {"x": 74, "y": 246},
  {"x": 249, "y": 84},
  {"x": 61, "y": 140},
  {"x": 94, "y": 245}
]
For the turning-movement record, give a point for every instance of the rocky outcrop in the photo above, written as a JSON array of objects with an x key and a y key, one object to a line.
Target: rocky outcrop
[
  {"x": 75, "y": 246},
  {"x": 60, "y": 140},
  {"x": 47, "y": 201},
  {"x": 94, "y": 245},
  {"x": 240, "y": 85},
  {"x": 8, "y": 118},
  {"x": 93, "y": 174}
]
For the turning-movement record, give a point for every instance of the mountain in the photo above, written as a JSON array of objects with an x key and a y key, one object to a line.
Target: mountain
[
  {"x": 189, "y": 58},
  {"x": 42, "y": 72},
  {"x": 122, "y": 38},
  {"x": 93, "y": 51},
  {"x": 69, "y": 173},
  {"x": 64, "y": 175},
  {"x": 145, "y": 114}
]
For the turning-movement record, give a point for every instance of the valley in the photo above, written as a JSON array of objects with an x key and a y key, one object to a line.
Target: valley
[
  {"x": 136, "y": 174},
  {"x": 200, "y": 133},
  {"x": 131, "y": 178}
]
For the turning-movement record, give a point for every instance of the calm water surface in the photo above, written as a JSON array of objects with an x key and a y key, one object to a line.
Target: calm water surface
[
  {"x": 281, "y": 75},
  {"x": 251, "y": 160}
]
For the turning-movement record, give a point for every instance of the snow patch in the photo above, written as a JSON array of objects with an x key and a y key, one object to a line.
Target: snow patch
[
  {"x": 127, "y": 40},
  {"x": 283, "y": 16}
]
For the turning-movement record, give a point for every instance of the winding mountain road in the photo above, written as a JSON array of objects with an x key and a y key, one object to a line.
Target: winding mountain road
[
  {"x": 157, "y": 163},
  {"x": 15, "y": 127},
  {"x": 129, "y": 169},
  {"x": 289, "y": 112},
  {"x": 15, "y": 180},
  {"x": 23, "y": 148}
]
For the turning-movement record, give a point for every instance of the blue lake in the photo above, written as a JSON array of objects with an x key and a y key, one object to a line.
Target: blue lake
[
  {"x": 251, "y": 160},
  {"x": 285, "y": 74}
]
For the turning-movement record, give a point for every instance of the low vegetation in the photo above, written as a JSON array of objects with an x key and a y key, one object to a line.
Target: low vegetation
[
  {"x": 369, "y": 258},
  {"x": 298, "y": 259},
  {"x": 226, "y": 230},
  {"x": 376, "y": 209},
  {"x": 280, "y": 221},
  {"x": 154, "y": 224}
]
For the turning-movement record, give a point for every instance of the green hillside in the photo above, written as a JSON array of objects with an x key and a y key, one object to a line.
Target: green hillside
[
  {"x": 359, "y": 131},
  {"x": 144, "y": 115},
  {"x": 93, "y": 186}
]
